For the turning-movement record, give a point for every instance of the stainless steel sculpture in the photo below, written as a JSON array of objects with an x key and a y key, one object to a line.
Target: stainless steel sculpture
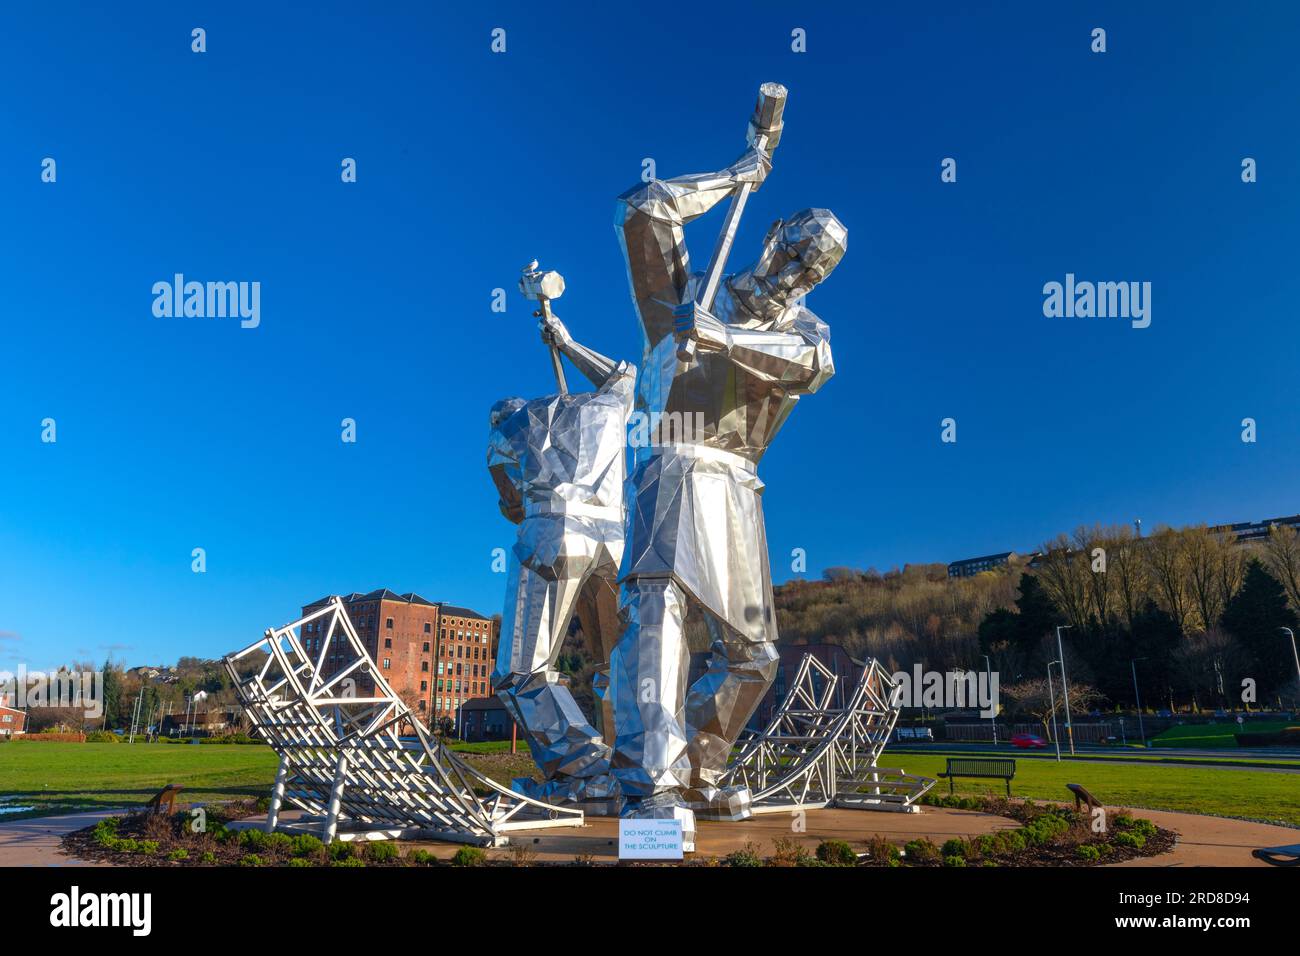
[
  {"x": 342, "y": 759},
  {"x": 559, "y": 466},
  {"x": 816, "y": 752},
  {"x": 726, "y": 359}
]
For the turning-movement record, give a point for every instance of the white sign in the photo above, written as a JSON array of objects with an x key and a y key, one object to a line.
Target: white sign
[{"x": 649, "y": 839}]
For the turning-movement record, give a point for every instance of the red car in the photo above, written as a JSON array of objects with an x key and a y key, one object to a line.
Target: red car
[{"x": 1026, "y": 741}]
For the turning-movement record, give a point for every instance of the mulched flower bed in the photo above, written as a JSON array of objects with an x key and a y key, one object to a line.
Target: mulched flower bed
[{"x": 1050, "y": 835}]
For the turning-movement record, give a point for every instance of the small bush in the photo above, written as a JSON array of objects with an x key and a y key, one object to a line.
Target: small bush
[
  {"x": 304, "y": 844},
  {"x": 350, "y": 861},
  {"x": 922, "y": 851},
  {"x": 469, "y": 856},
  {"x": 746, "y": 856},
  {"x": 421, "y": 857},
  {"x": 955, "y": 847},
  {"x": 339, "y": 851},
  {"x": 102, "y": 737},
  {"x": 254, "y": 839},
  {"x": 1087, "y": 852},
  {"x": 881, "y": 852},
  {"x": 299, "y": 861},
  {"x": 250, "y": 859},
  {"x": 788, "y": 851},
  {"x": 954, "y": 861},
  {"x": 208, "y": 857},
  {"x": 1130, "y": 839},
  {"x": 180, "y": 853},
  {"x": 384, "y": 852},
  {"x": 147, "y": 847},
  {"x": 836, "y": 853}
]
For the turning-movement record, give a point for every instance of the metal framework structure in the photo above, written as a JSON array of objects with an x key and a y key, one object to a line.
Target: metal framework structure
[
  {"x": 815, "y": 753},
  {"x": 342, "y": 758}
]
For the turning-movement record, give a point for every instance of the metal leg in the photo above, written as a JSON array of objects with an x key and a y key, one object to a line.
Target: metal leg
[
  {"x": 336, "y": 799},
  {"x": 277, "y": 795}
]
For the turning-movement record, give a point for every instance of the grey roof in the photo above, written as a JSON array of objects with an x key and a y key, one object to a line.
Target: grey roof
[
  {"x": 483, "y": 703},
  {"x": 456, "y": 611}
]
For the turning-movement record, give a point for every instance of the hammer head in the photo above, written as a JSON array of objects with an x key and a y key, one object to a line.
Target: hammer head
[{"x": 536, "y": 284}]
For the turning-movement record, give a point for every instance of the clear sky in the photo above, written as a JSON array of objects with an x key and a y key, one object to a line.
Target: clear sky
[{"x": 177, "y": 433}]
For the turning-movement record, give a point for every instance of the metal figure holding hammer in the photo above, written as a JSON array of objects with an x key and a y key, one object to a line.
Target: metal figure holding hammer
[
  {"x": 734, "y": 352},
  {"x": 559, "y": 466}
]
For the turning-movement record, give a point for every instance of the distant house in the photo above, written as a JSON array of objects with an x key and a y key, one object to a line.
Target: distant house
[
  {"x": 484, "y": 718},
  {"x": 968, "y": 567},
  {"x": 204, "y": 723},
  {"x": 12, "y": 721}
]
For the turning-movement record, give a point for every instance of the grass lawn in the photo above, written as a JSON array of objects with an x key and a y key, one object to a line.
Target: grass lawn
[
  {"x": 1216, "y": 735},
  {"x": 1256, "y": 794},
  {"x": 65, "y": 777}
]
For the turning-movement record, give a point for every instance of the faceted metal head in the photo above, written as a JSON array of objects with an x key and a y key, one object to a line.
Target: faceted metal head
[
  {"x": 800, "y": 252},
  {"x": 503, "y": 410}
]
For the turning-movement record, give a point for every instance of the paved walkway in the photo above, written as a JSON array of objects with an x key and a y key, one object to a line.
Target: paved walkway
[
  {"x": 35, "y": 842},
  {"x": 1213, "y": 841}
]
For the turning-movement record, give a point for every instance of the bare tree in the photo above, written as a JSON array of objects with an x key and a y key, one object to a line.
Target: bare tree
[
  {"x": 1125, "y": 561},
  {"x": 1282, "y": 558},
  {"x": 1064, "y": 573},
  {"x": 1166, "y": 561},
  {"x": 1034, "y": 697}
]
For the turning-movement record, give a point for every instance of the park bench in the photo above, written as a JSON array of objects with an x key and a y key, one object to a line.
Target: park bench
[
  {"x": 1279, "y": 855},
  {"x": 988, "y": 767},
  {"x": 167, "y": 795},
  {"x": 1082, "y": 796}
]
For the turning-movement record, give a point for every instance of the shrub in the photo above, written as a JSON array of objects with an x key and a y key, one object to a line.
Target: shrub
[
  {"x": 341, "y": 851},
  {"x": 1087, "y": 852},
  {"x": 208, "y": 857},
  {"x": 746, "y": 856},
  {"x": 836, "y": 853},
  {"x": 147, "y": 847},
  {"x": 304, "y": 844},
  {"x": 1141, "y": 826},
  {"x": 382, "y": 852},
  {"x": 350, "y": 861},
  {"x": 253, "y": 839},
  {"x": 955, "y": 847},
  {"x": 180, "y": 853},
  {"x": 1010, "y": 841},
  {"x": 954, "y": 861},
  {"x": 922, "y": 851},
  {"x": 279, "y": 842},
  {"x": 421, "y": 857},
  {"x": 786, "y": 851},
  {"x": 881, "y": 852},
  {"x": 102, "y": 737},
  {"x": 299, "y": 861},
  {"x": 469, "y": 856},
  {"x": 125, "y": 846},
  {"x": 1127, "y": 838},
  {"x": 250, "y": 859}
]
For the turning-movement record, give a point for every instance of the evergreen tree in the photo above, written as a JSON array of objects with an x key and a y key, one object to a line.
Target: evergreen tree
[{"x": 1255, "y": 617}]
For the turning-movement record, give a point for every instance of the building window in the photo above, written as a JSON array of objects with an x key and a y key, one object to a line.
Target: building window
[
  {"x": 424, "y": 685},
  {"x": 421, "y": 705},
  {"x": 388, "y": 642},
  {"x": 388, "y": 623},
  {"x": 387, "y": 663},
  {"x": 424, "y": 666},
  {"x": 428, "y": 629},
  {"x": 426, "y": 647}
]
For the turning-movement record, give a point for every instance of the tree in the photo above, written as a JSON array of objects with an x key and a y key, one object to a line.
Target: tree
[
  {"x": 1255, "y": 617},
  {"x": 1034, "y": 697},
  {"x": 1282, "y": 558}
]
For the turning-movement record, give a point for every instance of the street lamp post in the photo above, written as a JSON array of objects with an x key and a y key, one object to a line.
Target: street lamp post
[
  {"x": 1138, "y": 698},
  {"x": 1056, "y": 734},
  {"x": 1065, "y": 688},
  {"x": 988, "y": 676},
  {"x": 1294, "y": 653}
]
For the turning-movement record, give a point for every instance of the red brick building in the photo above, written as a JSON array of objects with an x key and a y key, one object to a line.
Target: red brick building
[
  {"x": 467, "y": 646},
  {"x": 435, "y": 656},
  {"x": 12, "y": 722}
]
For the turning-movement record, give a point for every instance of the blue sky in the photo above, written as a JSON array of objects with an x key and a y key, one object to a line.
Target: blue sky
[{"x": 182, "y": 433}]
